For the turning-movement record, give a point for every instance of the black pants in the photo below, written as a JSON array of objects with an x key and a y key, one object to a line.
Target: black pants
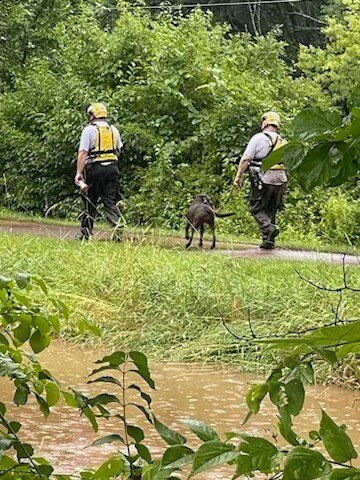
[
  {"x": 103, "y": 182},
  {"x": 264, "y": 205}
]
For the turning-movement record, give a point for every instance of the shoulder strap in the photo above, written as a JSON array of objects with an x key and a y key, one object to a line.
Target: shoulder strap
[{"x": 272, "y": 144}]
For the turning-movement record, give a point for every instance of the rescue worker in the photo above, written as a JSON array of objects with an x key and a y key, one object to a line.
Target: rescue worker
[
  {"x": 97, "y": 172},
  {"x": 267, "y": 189}
]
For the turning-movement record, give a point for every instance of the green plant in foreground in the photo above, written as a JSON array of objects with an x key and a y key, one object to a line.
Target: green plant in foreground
[{"x": 24, "y": 320}]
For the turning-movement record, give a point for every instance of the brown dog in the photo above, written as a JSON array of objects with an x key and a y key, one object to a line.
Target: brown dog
[{"x": 201, "y": 212}]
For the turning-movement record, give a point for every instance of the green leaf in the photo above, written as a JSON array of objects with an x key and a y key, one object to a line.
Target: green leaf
[
  {"x": 44, "y": 407},
  {"x": 145, "y": 375},
  {"x": 328, "y": 355},
  {"x": 201, "y": 430},
  {"x": 314, "y": 122},
  {"x": 4, "y": 281},
  {"x": 355, "y": 128},
  {"x": 13, "y": 427},
  {"x": 169, "y": 436},
  {"x": 212, "y": 454},
  {"x": 295, "y": 395},
  {"x": 144, "y": 395},
  {"x": 55, "y": 323},
  {"x": 90, "y": 415},
  {"x": 40, "y": 282},
  {"x": 316, "y": 167},
  {"x": 10, "y": 368},
  {"x": 23, "y": 450},
  {"x": 177, "y": 456},
  {"x": 44, "y": 470},
  {"x": 285, "y": 425},
  {"x": 305, "y": 464},
  {"x": 336, "y": 441},
  {"x": 135, "y": 432},
  {"x": 144, "y": 452},
  {"x": 107, "y": 379},
  {"x": 22, "y": 280},
  {"x": 41, "y": 323},
  {"x": 4, "y": 340},
  {"x": 70, "y": 399},
  {"x": 115, "y": 359},
  {"x": 22, "y": 333},
  {"x": 139, "y": 360},
  {"x": 52, "y": 393},
  {"x": 254, "y": 398},
  {"x": 103, "y": 399},
  {"x": 112, "y": 468},
  {"x": 21, "y": 394},
  {"x": 108, "y": 439},
  {"x": 257, "y": 454},
  {"x": 325, "y": 336},
  {"x": 39, "y": 342},
  {"x": 345, "y": 474}
]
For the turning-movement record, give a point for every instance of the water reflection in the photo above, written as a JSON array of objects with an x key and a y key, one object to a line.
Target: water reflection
[{"x": 213, "y": 394}]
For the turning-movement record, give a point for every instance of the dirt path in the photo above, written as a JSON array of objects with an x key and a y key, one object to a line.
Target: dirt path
[{"x": 236, "y": 250}]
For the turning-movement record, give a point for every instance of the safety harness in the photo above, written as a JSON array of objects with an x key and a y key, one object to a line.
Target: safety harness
[
  {"x": 256, "y": 163},
  {"x": 104, "y": 149}
]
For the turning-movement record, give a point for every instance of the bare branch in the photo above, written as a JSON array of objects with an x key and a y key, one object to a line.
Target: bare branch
[{"x": 308, "y": 16}]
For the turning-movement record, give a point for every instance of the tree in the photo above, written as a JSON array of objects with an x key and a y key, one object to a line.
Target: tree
[{"x": 336, "y": 67}]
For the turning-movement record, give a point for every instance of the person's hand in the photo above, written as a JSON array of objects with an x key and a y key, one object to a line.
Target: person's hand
[
  {"x": 79, "y": 181},
  {"x": 78, "y": 178},
  {"x": 238, "y": 182}
]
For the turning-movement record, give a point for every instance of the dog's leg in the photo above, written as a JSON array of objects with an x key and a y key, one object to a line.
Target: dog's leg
[
  {"x": 187, "y": 230},
  {"x": 189, "y": 238},
  {"x": 201, "y": 235},
  {"x": 214, "y": 238}
]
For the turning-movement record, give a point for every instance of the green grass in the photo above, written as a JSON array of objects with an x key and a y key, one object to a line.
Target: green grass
[{"x": 170, "y": 303}]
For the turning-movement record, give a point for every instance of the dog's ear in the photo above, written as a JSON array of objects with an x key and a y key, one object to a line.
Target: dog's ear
[{"x": 204, "y": 198}]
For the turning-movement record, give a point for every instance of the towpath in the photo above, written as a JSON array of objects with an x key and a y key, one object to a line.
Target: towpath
[{"x": 236, "y": 250}]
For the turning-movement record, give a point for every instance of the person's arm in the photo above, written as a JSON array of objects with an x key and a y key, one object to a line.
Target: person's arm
[
  {"x": 80, "y": 166},
  {"x": 83, "y": 152},
  {"x": 247, "y": 156},
  {"x": 243, "y": 165},
  {"x": 118, "y": 142}
]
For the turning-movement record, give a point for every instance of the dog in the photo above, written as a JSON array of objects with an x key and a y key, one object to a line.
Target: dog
[{"x": 202, "y": 211}]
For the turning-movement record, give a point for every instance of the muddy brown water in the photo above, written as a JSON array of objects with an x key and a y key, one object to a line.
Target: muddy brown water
[
  {"x": 235, "y": 250},
  {"x": 211, "y": 393}
]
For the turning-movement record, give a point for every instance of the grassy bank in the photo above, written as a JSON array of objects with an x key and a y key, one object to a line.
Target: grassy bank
[{"x": 170, "y": 303}]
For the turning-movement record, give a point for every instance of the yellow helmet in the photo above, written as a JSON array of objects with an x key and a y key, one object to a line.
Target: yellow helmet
[
  {"x": 98, "y": 110},
  {"x": 271, "y": 118}
]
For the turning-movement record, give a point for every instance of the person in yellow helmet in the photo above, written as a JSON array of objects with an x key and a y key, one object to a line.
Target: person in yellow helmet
[
  {"x": 267, "y": 189},
  {"x": 97, "y": 171}
]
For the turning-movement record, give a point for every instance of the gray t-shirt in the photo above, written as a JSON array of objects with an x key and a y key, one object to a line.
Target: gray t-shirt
[
  {"x": 88, "y": 136},
  {"x": 259, "y": 147}
]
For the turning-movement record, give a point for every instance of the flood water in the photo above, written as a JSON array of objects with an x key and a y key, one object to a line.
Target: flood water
[{"x": 211, "y": 393}]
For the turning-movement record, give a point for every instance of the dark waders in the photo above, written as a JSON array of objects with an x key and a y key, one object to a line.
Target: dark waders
[
  {"x": 264, "y": 205},
  {"x": 103, "y": 182}
]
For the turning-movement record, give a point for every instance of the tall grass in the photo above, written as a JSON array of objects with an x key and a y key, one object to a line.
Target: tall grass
[{"x": 170, "y": 303}]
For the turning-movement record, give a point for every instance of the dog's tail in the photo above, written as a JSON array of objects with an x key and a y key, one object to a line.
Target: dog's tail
[{"x": 223, "y": 215}]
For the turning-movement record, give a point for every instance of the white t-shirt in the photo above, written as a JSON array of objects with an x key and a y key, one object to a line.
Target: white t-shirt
[
  {"x": 89, "y": 133},
  {"x": 258, "y": 148}
]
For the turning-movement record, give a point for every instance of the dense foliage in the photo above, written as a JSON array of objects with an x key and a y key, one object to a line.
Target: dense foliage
[
  {"x": 336, "y": 67},
  {"x": 186, "y": 94}
]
